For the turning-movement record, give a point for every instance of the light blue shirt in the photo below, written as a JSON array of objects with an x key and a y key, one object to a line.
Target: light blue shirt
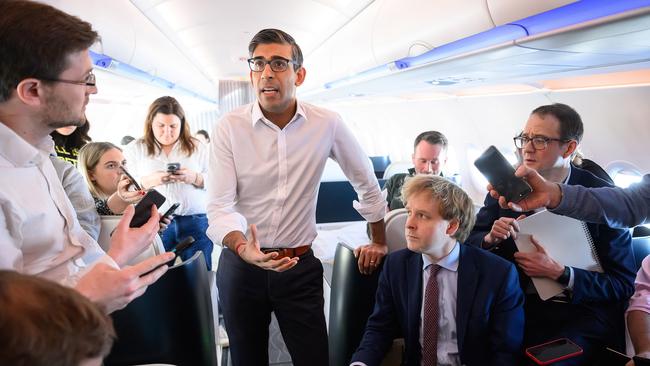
[{"x": 447, "y": 295}]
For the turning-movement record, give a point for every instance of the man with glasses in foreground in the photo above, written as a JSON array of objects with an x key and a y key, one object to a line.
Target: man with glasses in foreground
[
  {"x": 590, "y": 311},
  {"x": 45, "y": 83},
  {"x": 266, "y": 162}
]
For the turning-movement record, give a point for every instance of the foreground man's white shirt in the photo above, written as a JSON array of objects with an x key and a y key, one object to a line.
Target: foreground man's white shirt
[{"x": 39, "y": 231}]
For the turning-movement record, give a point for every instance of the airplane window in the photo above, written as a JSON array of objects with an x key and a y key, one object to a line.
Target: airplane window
[
  {"x": 624, "y": 173},
  {"x": 624, "y": 179}
]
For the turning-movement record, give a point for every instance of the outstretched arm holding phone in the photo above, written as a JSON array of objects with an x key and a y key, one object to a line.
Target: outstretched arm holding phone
[{"x": 617, "y": 207}]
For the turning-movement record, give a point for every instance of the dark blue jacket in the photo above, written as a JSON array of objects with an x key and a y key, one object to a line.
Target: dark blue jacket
[
  {"x": 489, "y": 310},
  {"x": 603, "y": 295}
]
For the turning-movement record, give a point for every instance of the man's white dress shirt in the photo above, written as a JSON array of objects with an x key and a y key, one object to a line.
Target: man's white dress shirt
[
  {"x": 39, "y": 231},
  {"x": 447, "y": 279},
  {"x": 264, "y": 175}
]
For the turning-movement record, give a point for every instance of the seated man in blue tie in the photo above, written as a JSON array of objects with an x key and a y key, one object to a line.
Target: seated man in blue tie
[{"x": 453, "y": 304}]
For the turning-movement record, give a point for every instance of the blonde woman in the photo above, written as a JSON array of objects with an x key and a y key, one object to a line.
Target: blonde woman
[{"x": 99, "y": 163}]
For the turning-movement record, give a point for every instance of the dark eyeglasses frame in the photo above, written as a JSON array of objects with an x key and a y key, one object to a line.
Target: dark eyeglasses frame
[
  {"x": 521, "y": 141},
  {"x": 90, "y": 80},
  {"x": 251, "y": 62}
]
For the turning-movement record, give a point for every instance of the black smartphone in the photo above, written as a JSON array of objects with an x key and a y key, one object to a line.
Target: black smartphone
[
  {"x": 641, "y": 361},
  {"x": 550, "y": 352},
  {"x": 178, "y": 249},
  {"x": 133, "y": 181},
  {"x": 182, "y": 245},
  {"x": 173, "y": 167},
  {"x": 143, "y": 208},
  {"x": 610, "y": 357},
  {"x": 170, "y": 211},
  {"x": 501, "y": 175}
]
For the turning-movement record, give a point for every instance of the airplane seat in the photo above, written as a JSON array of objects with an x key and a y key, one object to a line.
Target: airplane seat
[
  {"x": 171, "y": 323},
  {"x": 397, "y": 167},
  {"x": 395, "y": 222},
  {"x": 380, "y": 163},
  {"x": 641, "y": 230},
  {"x": 352, "y": 298},
  {"x": 109, "y": 223},
  {"x": 332, "y": 171},
  {"x": 641, "y": 249},
  {"x": 595, "y": 169}
]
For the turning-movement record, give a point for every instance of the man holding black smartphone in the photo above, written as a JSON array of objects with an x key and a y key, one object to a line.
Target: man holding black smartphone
[
  {"x": 590, "y": 312},
  {"x": 39, "y": 231}
]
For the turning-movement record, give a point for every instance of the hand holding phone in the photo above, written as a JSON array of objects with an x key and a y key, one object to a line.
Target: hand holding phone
[
  {"x": 178, "y": 249},
  {"x": 170, "y": 211},
  {"x": 143, "y": 208},
  {"x": 550, "y": 352},
  {"x": 501, "y": 175},
  {"x": 133, "y": 181}
]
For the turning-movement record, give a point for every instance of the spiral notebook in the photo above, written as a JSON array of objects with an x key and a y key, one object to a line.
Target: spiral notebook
[{"x": 566, "y": 240}]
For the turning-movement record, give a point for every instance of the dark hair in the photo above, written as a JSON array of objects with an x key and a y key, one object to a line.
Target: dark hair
[
  {"x": 126, "y": 140},
  {"x": 35, "y": 41},
  {"x": 204, "y": 133},
  {"x": 167, "y": 105},
  {"x": 270, "y": 35},
  {"x": 76, "y": 140},
  {"x": 453, "y": 202},
  {"x": 432, "y": 137},
  {"x": 46, "y": 324},
  {"x": 571, "y": 127}
]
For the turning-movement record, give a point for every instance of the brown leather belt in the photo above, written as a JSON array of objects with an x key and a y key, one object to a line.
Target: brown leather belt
[{"x": 288, "y": 252}]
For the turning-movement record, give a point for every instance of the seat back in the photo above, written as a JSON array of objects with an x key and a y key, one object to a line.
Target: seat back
[
  {"x": 171, "y": 323},
  {"x": 379, "y": 164},
  {"x": 397, "y": 167},
  {"x": 641, "y": 248},
  {"x": 109, "y": 223},
  {"x": 595, "y": 169},
  {"x": 395, "y": 222},
  {"x": 352, "y": 299}
]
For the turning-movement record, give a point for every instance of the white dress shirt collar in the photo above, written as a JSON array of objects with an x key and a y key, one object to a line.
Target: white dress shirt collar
[
  {"x": 449, "y": 262},
  {"x": 258, "y": 116},
  {"x": 20, "y": 152}
]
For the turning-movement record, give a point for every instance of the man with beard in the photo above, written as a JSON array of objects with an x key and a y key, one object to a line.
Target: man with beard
[{"x": 45, "y": 81}]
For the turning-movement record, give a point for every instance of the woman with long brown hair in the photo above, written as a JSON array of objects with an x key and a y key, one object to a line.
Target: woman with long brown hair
[{"x": 173, "y": 162}]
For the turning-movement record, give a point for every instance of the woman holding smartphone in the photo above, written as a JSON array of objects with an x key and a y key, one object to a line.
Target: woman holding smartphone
[
  {"x": 100, "y": 163},
  {"x": 170, "y": 160}
]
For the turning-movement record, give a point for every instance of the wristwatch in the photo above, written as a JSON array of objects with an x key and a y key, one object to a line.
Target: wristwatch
[{"x": 565, "y": 277}]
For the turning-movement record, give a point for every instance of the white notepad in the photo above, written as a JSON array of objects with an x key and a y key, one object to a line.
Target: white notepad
[{"x": 566, "y": 240}]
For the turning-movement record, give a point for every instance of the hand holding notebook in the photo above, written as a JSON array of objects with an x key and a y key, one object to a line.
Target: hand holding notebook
[{"x": 565, "y": 239}]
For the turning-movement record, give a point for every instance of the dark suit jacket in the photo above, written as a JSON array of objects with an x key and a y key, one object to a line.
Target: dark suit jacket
[
  {"x": 489, "y": 315},
  {"x": 602, "y": 295}
]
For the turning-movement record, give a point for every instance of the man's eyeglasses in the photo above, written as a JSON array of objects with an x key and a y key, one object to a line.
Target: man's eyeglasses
[
  {"x": 277, "y": 64},
  {"x": 89, "y": 81},
  {"x": 539, "y": 142}
]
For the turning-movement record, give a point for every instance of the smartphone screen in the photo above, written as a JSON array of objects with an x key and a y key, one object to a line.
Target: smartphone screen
[
  {"x": 173, "y": 167},
  {"x": 143, "y": 208},
  {"x": 501, "y": 175},
  {"x": 550, "y": 352}
]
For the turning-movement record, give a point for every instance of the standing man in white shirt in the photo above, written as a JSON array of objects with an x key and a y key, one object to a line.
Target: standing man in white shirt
[
  {"x": 266, "y": 162},
  {"x": 45, "y": 82}
]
